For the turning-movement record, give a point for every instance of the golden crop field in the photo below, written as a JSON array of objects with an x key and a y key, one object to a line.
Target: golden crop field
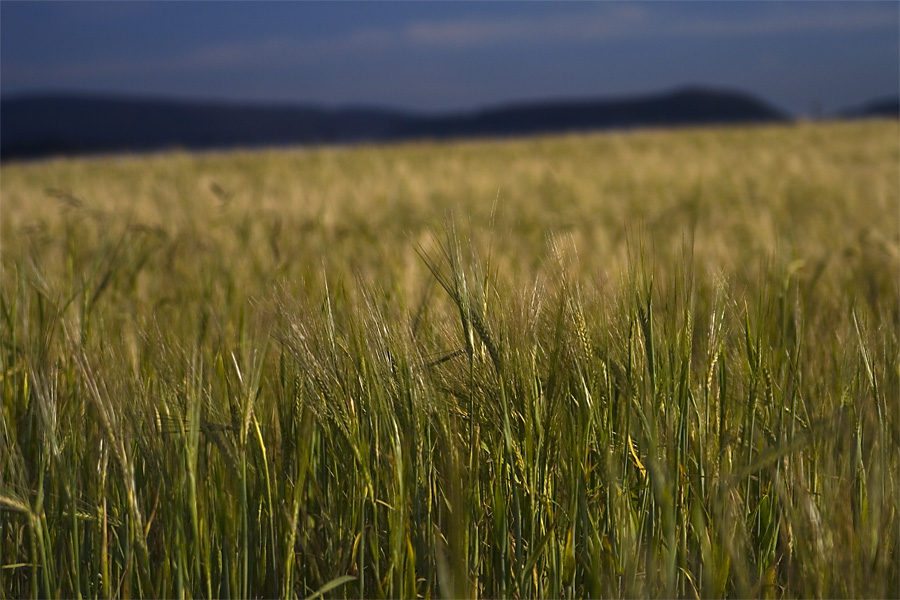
[{"x": 653, "y": 363}]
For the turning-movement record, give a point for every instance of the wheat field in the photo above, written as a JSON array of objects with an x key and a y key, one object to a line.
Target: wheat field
[{"x": 642, "y": 364}]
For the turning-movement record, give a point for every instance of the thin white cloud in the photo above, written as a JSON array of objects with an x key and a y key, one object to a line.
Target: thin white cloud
[
  {"x": 859, "y": 18},
  {"x": 636, "y": 21},
  {"x": 613, "y": 21}
]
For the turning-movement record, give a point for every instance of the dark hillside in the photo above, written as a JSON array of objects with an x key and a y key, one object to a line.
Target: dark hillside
[
  {"x": 35, "y": 126},
  {"x": 38, "y": 126},
  {"x": 690, "y": 106},
  {"x": 881, "y": 107}
]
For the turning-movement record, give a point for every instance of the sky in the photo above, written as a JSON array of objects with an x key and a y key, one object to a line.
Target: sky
[{"x": 803, "y": 57}]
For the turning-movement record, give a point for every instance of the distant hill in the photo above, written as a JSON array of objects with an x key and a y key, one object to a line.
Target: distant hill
[
  {"x": 688, "y": 106},
  {"x": 62, "y": 124},
  {"x": 44, "y": 125},
  {"x": 882, "y": 107}
]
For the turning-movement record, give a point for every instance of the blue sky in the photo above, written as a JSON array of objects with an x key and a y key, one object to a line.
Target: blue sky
[{"x": 452, "y": 55}]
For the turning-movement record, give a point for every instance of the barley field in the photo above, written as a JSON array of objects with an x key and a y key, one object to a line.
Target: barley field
[{"x": 643, "y": 364}]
